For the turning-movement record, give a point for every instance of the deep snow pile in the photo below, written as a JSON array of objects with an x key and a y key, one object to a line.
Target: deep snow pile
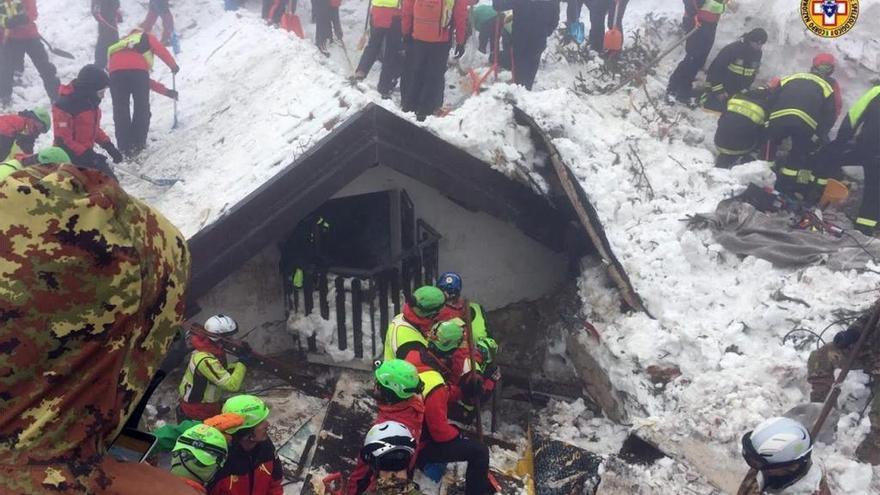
[{"x": 255, "y": 98}]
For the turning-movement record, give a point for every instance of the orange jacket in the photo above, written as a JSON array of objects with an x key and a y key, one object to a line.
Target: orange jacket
[{"x": 431, "y": 29}]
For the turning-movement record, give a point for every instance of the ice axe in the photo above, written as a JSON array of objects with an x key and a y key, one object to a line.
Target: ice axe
[
  {"x": 654, "y": 62},
  {"x": 290, "y": 21},
  {"x": 614, "y": 37},
  {"x": 56, "y": 51}
]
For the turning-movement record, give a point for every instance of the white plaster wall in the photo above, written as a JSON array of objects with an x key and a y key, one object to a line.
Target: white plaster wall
[
  {"x": 254, "y": 297},
  {"x": 498, "y": 262}
]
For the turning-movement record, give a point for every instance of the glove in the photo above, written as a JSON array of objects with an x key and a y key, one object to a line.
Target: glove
[
  {"x": 847, "y": 337},
  {"x": 171, "y": 93},
  {"x": 459, "y": 50},
  {"x": 472, "y": 386},
  {"x": 112, "y": 151},
  {"x": 17, "y": 20},
  {"x": 493, "y": 373},
  {"x": 175, "y": 69},
  {"x": 244, "y": 350},
  {"x": 247, "y": 360}
]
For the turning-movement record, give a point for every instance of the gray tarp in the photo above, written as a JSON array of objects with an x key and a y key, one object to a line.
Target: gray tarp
[{"x": 742, "y": 229}]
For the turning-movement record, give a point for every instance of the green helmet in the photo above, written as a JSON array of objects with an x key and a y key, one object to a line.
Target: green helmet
[
  {"x": 53, "y": 154},
  {"x": 428, "y": 300},
  {"x": 43, "y": 115},
  {"x": 488, "y": 348},
  {"x": 251, "y": 407},
  {"x": 448, "y": 336},
  {"x": 205, "y": 443},
  {"x": 399, "y": 377}
]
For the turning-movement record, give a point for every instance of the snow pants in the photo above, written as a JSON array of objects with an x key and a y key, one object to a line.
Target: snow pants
[
  {"x": 389, "y": 43},
  {"x": 424, "y": 77},
  {"x": 326, "y": 18},
  {"x": 486, "y": 39},
  {"x": 12, "y": 54},
  {"x": 108, "y": 32},
  {"x": 697, "y": 49},
  {"x": 869, "y": 211},
  {"x": 132, "y": 124},
  {"x": 601, "y": 14},
  {"x": 157, "y": 9},
  {"x": 274, "y": 9},
  {"x": 526, "y": 59},
  {"x": 461, "y": 450}
]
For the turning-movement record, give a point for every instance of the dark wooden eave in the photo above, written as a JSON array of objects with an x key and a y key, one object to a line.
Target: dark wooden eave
[{"x": 372, "y": 136}]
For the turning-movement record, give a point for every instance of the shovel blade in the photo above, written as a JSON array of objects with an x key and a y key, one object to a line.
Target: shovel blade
[{"x": 613, "y": 40}]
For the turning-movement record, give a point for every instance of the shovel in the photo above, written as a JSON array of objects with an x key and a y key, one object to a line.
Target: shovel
[
  {"x": 835, "y": 193},
  {"x": 290, "y": 21},
  {"x": 155, "y": 182},
  {"x": 56, "y": 51},
  {"x": 614, "y": 37}
]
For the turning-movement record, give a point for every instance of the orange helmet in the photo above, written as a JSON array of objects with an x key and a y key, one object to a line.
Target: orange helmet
[{"x": 773, "y": 83}]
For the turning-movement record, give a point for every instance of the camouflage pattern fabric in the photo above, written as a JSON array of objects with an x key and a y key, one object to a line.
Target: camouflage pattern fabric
[
  {"x": 395, "y": 486},
  {"x": 92, "y": 288}
]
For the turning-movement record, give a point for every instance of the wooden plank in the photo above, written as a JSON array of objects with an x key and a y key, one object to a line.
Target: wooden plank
[
  {"x": 357, "y": 305},
  {"x": 341, "y": 330}
]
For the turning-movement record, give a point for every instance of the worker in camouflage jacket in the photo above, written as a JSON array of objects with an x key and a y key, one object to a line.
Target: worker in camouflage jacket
[
  {"x": 831, "y": 356},
  {"x": 92, "y": 286}
]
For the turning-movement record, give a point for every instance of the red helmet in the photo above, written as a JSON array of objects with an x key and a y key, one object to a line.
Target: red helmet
[
  {"x": 773, "y": 83},
  {"x": 824, "y": 63}
]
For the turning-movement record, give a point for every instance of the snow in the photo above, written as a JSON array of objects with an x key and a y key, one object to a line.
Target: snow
[{"x": 255, "y": 98}]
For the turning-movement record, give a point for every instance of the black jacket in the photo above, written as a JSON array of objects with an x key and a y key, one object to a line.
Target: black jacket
[
  {"x": 736, "y": 133},
  {"x": 734, "y": 68},
  {"x": 865, "y": 131},
  {"x": 806, "y": 96},
  {"x": 533, "y": 21}
]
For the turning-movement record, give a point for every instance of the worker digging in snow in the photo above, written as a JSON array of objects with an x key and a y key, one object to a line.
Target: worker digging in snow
[
  {"x": 529, "y": 36},
  {"x": 385, "y": 40},
  {"x": 702, "y": 16},
  {"x": 325, "y": 14},
  {"x": 820, "y": 373},
  {"x": 397, "y": 392},
  {"x": 483, "y": 20},
  {"x": 52, "y": 154},
  {"x": 252, "y": 468},
  {"x": 155, "y": 10},
  {"x": 18, "y": 20},
  {"x": 858, "y": 140},
  {"x": 781, "y": 449},
  {"x": 206, "y": 376},
  {"x": 18, "y": 132},
  {"x": 389, "y": 448},
  {"x": 198, "y": 454},
  {"x": 427, "y": 31},
  {"x": 131, "y": 60},
  {"x": 92, "y": 312},
  {"x": 76, "y": 119},
  {"x": 108, "y": 16},
  {"x": 601, "y": 12},
  {"x": 740, "y": 130},
  {"x": 407, "y": 338},
  {"x": 733, "y": 70},
  {"x": 803, "y": 112}
]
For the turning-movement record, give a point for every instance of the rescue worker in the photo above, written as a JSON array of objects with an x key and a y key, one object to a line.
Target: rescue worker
[
  {"x": 46, "y": 156},
  {"x": 94, "y": 312},
  {"x": 18, "y": 18},
  {"x": 859, "y": 139},
  {"x": 18, "y": 132},
  {"x": 108, "y": 16},
  {"x": 252, "y": 468},
  {"x": 408, "y": 332},
  {"x": 398, "y": 394},
  {"x": 781, "y": 449},
  {"x": 157, "y": 9},
  {"x": 325, "y": 14},
  {"x": 274, "y": 9},
  {"x": 600, "y": 10},
  {"x": 484, "y": 20},
  {"x": 385, "y": 40},
  {"x": 198, "y": 454},
  {"x": 803, "y": 112},
  {"x": 734, "y": 69},
  {"x": 700, "y": 16},
  {"x": 820, "y": 374},
  {"x": 451, "y": 284},
  {"x": 529, "y": 38},
  {"x": 741, "y": 125},
  {"x": 389, "y": 448},
  {"x": 206, "y": 376},
  {"x": 76, "y": 120},
  {"x": 427, "y": 30},
  {"x": 131, "y": 60}
]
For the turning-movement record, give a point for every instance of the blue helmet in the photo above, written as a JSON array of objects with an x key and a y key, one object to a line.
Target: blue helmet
[{"x": 450, "y": 283}]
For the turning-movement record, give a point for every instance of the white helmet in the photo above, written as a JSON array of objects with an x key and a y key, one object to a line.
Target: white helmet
[
  {"x": 777, "y": 442},
  {"x": 389, "y": 446},
  {"x": 221, "y": 326}
]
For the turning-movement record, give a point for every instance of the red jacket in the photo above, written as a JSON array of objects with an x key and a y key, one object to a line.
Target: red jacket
[
  {"x": 17, "y": 129},
  {"x": 441, "y": 35},
  {"x": 76, "y": 121},
  {"x": 383, "y": 17},
  {"x": 257, "y": 472},
  {"x": 28, "y": 31},
  {"x": 437, "y": 416},
  {"x": 137, "y": 58},
  {"x": 410, "y": 413}
]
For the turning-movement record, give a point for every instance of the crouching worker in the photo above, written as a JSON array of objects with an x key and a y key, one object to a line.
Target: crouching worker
[
  {"x": 741, "y": 126},
  {"x": 389, "y": 449},
  {"x": 252, "y": 467},
  {"x": 46, "y": 156},
  {"x": 398, "y": 393},
  {"x": 780, "y": 449},
  {"x": 199, "y": 452}
]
